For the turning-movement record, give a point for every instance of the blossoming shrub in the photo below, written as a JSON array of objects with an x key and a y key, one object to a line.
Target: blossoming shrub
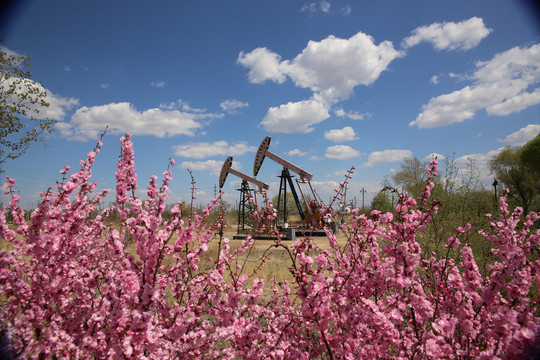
[{"x": 71, "y": 289}]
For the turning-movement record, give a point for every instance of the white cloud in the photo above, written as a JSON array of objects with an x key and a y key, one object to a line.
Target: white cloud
[
  {"x": 88, "y": 122},
  {"x": 67, "y": 68},
  {"x": 212, "y": 166},
  {"x": 312, "y": 8},
  {"x": 11, "y": 53},
  {"x": 296, "y": 152},
  {"x": 354, "y": 190},
  {"x": 434, "y": 79},
  {"x": 379, "y": 157},
  {"x": 340, "y": 135},
  {"x": 231, "y": 106},
  {"x": 295, "y": 117},
  {"x": 203, "y": 150},
  {"x": 432, "y": 156},
  {"x": 180, "y": 104},
  {"x": 336, "y": 173},
  {"x": 331, "y": 68},
  {"x": 105, "y": 86},
  {"x": 481, "y": 161},
  {"x": 515, "y": 104},
  {"x": 263, "y": 65},
  {"x": 325, "y": 7},
  {"x": 463, "y": 35},
  {"x": 353, "y": 115},
  {"x": 341, "y": 152},
  {"x": 500, "y": 87},
  {"x": 158, "y": 84},
  {"x": 522, "y": 136},
  {"x": 58, "y": 105}
]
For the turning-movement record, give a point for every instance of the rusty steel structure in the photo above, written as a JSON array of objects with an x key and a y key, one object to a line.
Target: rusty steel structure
[
  {"x": 248, "y": 199},
  {"x": 308, "y": 210}
]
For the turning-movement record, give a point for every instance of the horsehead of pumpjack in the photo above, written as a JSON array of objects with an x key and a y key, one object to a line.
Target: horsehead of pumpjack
[{"x": 313, "y": 215}]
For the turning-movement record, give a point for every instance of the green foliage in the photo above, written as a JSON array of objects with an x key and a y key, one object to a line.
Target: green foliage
[
  {"x": 291, "y": 204},
  {"x": 412, "y": 177},
  {"x": 21, "y": 100},
  {"x": 517, "y": 177},
  {"x": 382, "y": 202},
  {"x": 462, "y": 199},
  {"x": 530, "y": 157}
]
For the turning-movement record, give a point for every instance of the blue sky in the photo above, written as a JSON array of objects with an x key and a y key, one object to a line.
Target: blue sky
[{"x": 334, "y": 83}]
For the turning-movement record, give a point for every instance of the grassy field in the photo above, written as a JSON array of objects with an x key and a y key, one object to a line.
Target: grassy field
[{"x": 277, "y": 259}]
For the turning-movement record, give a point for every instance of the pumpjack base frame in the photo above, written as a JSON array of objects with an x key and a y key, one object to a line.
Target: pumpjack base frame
[{"x": 288, "y": 234}]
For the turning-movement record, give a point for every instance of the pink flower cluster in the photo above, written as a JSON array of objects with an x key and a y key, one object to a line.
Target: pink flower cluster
[{"x": 71, "y": 289}]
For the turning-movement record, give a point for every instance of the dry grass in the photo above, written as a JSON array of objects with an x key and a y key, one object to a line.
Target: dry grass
[{"x": 277, "y": 258}]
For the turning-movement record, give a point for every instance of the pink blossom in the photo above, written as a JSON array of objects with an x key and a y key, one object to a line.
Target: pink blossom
[
  {"x": 76, "y": 286},
  {"x": 8, "y": 184}
]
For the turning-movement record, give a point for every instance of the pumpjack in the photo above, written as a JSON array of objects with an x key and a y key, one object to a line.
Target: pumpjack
[
  {"x": 248, "y": 197},
  {"x": 310, "y": 211}
]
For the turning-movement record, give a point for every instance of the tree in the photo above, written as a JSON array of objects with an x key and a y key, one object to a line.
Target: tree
[
  {"x": 291, "y": 204},
  {"x": 382, "y": 202},
  {"x": 21, "y": 100},
  {"x": 514, "y": 175},
  {"x": 530, "y": 156},
  {"x": 411, "y": 177}
]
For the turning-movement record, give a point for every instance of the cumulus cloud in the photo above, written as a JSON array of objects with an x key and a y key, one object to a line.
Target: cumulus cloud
[
  {"x": 463, "y": 35},
  {"x": 516, "y": 103},
  {"x": 432, "y": 156},
  {"x": 331, "y": 68},
  {"x": 211, "y": 166},
  {"x": 263, "y": 65},
  {"x": 180, "y": 105},
  {"x": 296, "y": 152},
  {"x": 379, "y": 157},
  {"x": 341, "y": 152},
  {"x": 295, "y": 117},
  {"x": 58, "y": 105},
  {"x": 88, "y": 122},
  {"x": 340, "y": 135},
  {"x": 500, "y": 86},
  {"x": 203, "y": 150},
  {"x": 353, "y": 115},
  {"x": 522, "y": 136},
  {"x": 232, "y": 105},
  {"x": 481, "y": 161}
]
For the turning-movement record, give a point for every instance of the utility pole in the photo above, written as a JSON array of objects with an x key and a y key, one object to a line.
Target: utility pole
[{"x": 363, "y": 192}]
